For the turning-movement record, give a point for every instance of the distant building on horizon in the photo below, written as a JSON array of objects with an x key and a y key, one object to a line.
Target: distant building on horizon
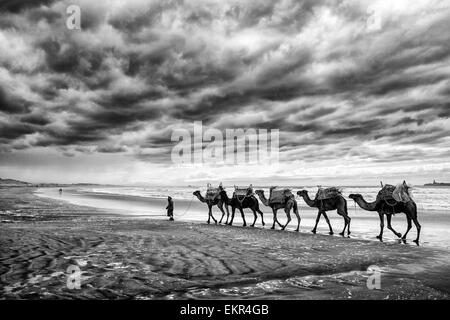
[{"x": 437, "y": 183}]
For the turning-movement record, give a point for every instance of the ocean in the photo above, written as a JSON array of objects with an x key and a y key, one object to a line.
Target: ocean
[{"x": 427, "y": 198}]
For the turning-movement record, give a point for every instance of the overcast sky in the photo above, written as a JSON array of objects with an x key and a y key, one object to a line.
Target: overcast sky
[{"x": 360, "y": 90}]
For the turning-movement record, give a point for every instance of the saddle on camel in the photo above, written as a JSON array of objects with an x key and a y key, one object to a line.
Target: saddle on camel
[
  {"x": 328, "y": 193},
  {"x": 213, "y": 193},
  {"x": 394, "y": 194},
  {"x": 279, "y": 195},
  {"x": 241, "y": 193}
]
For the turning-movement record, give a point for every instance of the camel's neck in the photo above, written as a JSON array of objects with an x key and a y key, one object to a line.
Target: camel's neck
[
  {"x": 369, "y": 206},
  {"x": 308, "y": 200},
  {"x": 200, "y": 197},
  {"x": 263, "y": 198}
]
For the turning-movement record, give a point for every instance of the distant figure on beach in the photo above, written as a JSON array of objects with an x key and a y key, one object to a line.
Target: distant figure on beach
[
  {"x": 60, "y": 191},
  {"x": 170, "y": 208}
]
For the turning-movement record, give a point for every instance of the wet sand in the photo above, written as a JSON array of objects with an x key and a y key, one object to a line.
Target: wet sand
[{"x": 124, "y": 257}]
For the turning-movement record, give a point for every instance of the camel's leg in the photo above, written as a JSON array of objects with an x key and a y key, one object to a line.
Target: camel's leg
[
  {"x": 243, "y": 216},
  {"x": 212, "y": 216},
  {"x": 348, "y": 225},
  {"x": 220, "y": 205},
  {"x": 298, "y": 217},
  {"x": 288, "y": 215},
  {"x": 345, "y": 227},
  {"x": 256, "y": 217},
  {"x": 418, "y": 227},
  {"x": 209, "y": 214},
  {"x": 380, "y": 236},
  {"x": 408, "y": 220},
  {"x": 275, "y": 220},
  {"x": 314, "y": 230},
  {"x": 328, "y": 222},
  {"x": 346, "y": 216},
  {"x": 388, "y": 218},
  {"x": 262, "y": 218},
  {"x": 228, "y": 213},
  {"x": 281, "y": 226},
  {"x": 233, "y": 210},
  {"x": 347, "y": 220}
]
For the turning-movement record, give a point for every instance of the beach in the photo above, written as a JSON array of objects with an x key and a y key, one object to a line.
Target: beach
[
  {"x": 150, "y": 202},
  {"x": 122, "y": 257}
]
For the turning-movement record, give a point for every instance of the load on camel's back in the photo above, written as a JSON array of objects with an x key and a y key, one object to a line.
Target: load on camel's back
[
  {"x": 279, "y": 195},
  {"x": 242, "y": 193},
  {"x": 213, "y": 193},
  {"x": 328, "y": 193},
  {"x": 393, "y": 194}
]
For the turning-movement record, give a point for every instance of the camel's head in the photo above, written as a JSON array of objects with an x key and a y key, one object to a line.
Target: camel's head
[
  {"x": 259, "y": 192},
  {"x": 302, "y": 193},
  {"x": 355, "y": 196},
  {"x": 196, "y": 192}
]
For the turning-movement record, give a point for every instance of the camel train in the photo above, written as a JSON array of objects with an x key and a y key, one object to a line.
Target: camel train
[{"x": 390, "y": 200}]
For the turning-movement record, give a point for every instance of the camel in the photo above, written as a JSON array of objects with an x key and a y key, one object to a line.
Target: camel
[
  {"x": 337, "y": 203},
  {"x": 218, "y": 201},
  {"x": 384, "y": 209},
  {"x": 289, "y": 204},
  {"x": 250, "y": 202}
]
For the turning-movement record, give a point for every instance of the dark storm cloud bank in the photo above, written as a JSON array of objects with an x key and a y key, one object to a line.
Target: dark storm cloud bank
[
  {"x": 307, "y": 68},
  {"x": 12, "y": 105},
  {"x": 16, "y": 6}
]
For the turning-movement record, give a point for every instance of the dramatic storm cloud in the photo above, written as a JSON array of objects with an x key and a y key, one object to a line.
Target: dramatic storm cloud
[{"x": 360, "y": 90}]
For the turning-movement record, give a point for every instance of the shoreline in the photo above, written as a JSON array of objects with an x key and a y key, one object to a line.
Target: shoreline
[
  {"x": 122, "y": 257},
  {"x": 365, "y": 225}
]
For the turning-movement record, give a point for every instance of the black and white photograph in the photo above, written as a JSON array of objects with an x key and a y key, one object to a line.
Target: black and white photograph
[{"x": 224, "y": 150}]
